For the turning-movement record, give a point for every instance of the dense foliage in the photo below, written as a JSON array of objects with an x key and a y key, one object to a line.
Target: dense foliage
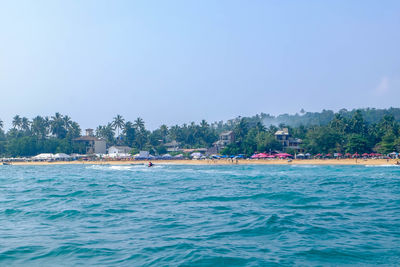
[{"x": 365, "y": 130}]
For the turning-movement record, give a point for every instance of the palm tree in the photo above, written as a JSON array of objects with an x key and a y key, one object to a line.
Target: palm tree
[
  {"x": 16, "y": 122},
  {"x": 129, "y": 133},
  {"x": 25, "y": 123},
  {"x": 164, "y": 132},
  {"x": 141, "y": 133},
  {"x": 260, "y": 127},
  {"x": 39, "y": 127},
  {"x": 204, "y": 124},
  {"x": 139, "y": 124},
  {"x": 57, "y": 125},
  {"x": 118, "y": 123},
  {"x": 74, "y": 130},
  {"x": 106, "y": 132},
  {"x": 67, "y": 121}
]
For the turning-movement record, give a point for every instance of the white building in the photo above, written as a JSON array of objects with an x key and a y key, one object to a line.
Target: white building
[{"x": 119, "y": 150}]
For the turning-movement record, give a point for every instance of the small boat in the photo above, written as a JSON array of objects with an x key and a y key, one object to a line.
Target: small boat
[{"x": 5, "y": 163}]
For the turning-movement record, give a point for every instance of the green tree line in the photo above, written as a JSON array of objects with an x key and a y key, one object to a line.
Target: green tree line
[{"x": 364, "y": 130}]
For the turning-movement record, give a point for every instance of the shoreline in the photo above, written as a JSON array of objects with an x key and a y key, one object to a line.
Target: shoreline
[{"x": 360, "y": 162}]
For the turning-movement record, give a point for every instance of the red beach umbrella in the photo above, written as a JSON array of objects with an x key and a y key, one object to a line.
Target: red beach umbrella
[{"x": 283, "y": 155}]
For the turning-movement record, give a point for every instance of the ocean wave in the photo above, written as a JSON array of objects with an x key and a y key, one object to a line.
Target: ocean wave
[
  {"x": 384, "y": 166},
  {"x": 126, "y": 215}
]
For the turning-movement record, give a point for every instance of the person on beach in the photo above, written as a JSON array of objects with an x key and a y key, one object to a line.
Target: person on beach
[{"x": 150, "y": 164}]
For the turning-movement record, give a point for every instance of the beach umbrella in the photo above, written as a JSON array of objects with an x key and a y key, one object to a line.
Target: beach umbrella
[
  {"x": 329, "y": 155},
  {"x": 355, "y": 155},
  {"x": 365, "y": 155},
  {"x": 283, "y": 155},
  {"x": 270, "y": 156}
]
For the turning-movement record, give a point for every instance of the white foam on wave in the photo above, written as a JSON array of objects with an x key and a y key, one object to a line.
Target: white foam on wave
[
  {"x": 120, "y": 168},
  {"x": 138, "y": 167},
  {"x": 304, "y": 166},
  {"x": 385, "y": 165}
]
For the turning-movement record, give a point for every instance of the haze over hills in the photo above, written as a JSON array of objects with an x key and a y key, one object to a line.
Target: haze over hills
[{"x": 371, "y": 115}]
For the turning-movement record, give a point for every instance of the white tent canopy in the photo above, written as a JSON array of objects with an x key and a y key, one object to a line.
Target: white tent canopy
[
  {"x": 44, "y": 156},
  {"x": 119, "y": 155},
  {"x": 196, "y": 155},
  {"x": 61, "y": 156}
]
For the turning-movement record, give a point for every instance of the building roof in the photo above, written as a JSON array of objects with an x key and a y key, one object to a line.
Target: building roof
[
  {"x": 284, "y": 131},
  {"x": 227, "y": 133},
  {"x": 189, "y": 150}
]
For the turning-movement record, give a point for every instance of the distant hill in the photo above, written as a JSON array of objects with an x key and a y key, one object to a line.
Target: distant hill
[{"x": 371, "y": 115}]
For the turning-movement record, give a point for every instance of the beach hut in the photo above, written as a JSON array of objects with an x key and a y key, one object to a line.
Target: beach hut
[{"x": 61, "y": 156}]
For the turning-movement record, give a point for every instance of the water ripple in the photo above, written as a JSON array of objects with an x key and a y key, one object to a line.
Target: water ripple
[{"x": 199, "y": 215}]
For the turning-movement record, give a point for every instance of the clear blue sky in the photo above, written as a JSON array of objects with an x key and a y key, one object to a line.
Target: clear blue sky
[{"x": 180, "y": 61}]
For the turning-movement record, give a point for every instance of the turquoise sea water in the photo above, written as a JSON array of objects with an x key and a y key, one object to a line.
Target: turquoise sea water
[{"x": 199, "y": 215}]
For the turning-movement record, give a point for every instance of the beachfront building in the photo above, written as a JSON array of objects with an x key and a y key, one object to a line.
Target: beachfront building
[
  {"x": 117, "y": 150},
  {"x": 287, "y": 141},
  {"x": 94, "y": 145},
  {"x": 172, "y": 146},
  {"x": 225, "y": 138}
]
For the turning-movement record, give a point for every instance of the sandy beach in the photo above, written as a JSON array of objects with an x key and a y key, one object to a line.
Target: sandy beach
[{"x": 227, "y": 162}]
